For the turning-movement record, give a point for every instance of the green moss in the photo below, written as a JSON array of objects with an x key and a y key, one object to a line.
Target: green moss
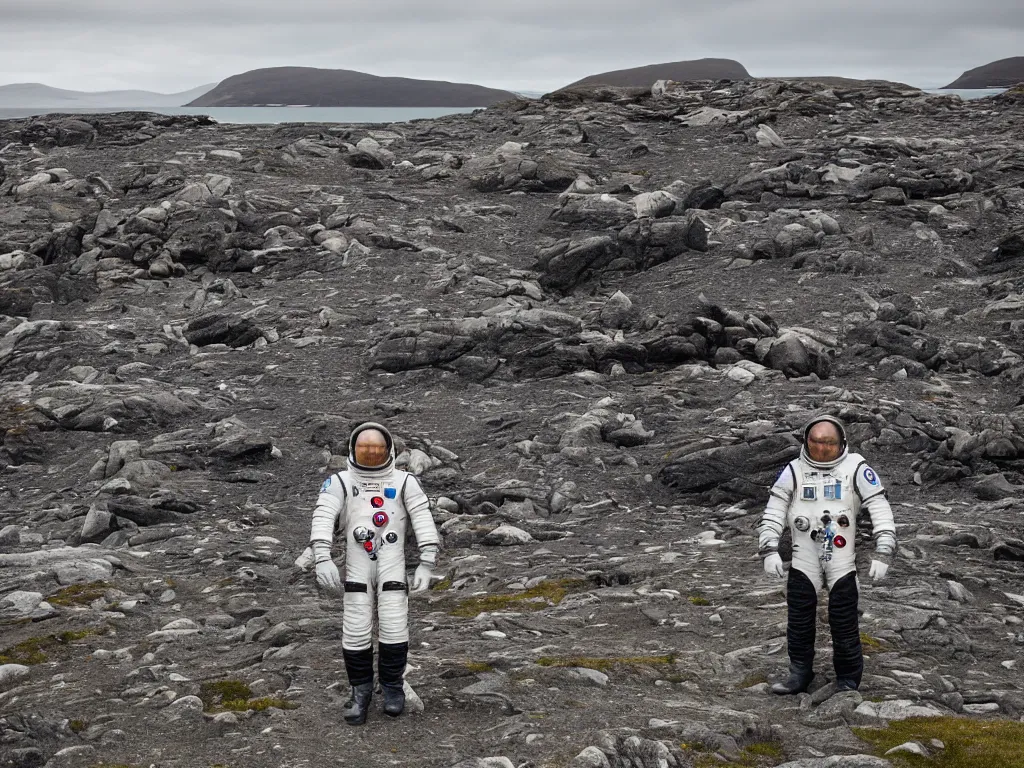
[
  {"x": 441, "y": 586},
  {"x": 699, "y": 600},
  {"x": 36, "y": 650},
  {"x": 969, "y": 742},
  {"x": 79, "y": 594},
  {"x": 603, "y": 664},
  {"x": 216, "y": 693},
  {"x": 537, "y": 598},
  {"x": 479, "y": 666},
  {"x": 258, "y": 705},
  {"x": 762, "y": 753},
  {"x": 236, "y": 696},
  {"x": 871, "y": 643},
  {"x": 755, "y": 678},
  {"x": 77, "y": 726}
]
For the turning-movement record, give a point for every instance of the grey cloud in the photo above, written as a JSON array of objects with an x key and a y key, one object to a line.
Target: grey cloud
[{"x": 529, "y": 44}]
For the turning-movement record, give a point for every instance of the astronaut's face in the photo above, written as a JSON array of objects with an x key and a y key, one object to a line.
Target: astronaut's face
[
  {"x": 371, "y": 448},
  {"x": 823, "y": 442}
]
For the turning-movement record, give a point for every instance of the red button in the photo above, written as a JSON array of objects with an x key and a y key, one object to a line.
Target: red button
[
  {"x": 377, "y": 502},
  {"x": 380, "y": 519},
  {"x": 839, "y": 541},
  {"x": 368, "y": 546}
]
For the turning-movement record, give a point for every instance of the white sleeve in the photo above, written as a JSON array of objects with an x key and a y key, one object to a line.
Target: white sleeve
[
  {"x": 418, "y": 508},
  {"x": 329, "y": 506},
  {"x": 879, "y": 514},
  {"x": 773, "y": 521}
]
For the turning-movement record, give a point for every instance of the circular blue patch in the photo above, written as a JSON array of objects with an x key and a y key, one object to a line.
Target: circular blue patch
[
  {"x": 870, "y": 476},
  {"x": 326, "y": 485}
]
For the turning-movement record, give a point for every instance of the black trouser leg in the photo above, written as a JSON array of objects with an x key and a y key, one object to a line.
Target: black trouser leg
[
  {"x": 391, "y": 662},
  {"x": 847, "y": 655},
  {"x": 802, "y": 604},
  {"x": 359, "y": 666}
]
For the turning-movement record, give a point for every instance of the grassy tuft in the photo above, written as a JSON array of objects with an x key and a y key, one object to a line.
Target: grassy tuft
[
  {"x": 537, "y": 598},
  {"x": 36, "y": 650},
  {"x": 754, "y": 678},
  {"x": 79, "y": 594},
  {"x": 871, "y": 643},
  {"x": 699, "y": 600},
  {"x": 479, "y": 666},
  {"x": 969, "y": 742},
  {"x": 235, "y": 696}
]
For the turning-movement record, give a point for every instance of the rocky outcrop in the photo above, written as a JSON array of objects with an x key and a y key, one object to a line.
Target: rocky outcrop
[{"x": 595, "y": 323}]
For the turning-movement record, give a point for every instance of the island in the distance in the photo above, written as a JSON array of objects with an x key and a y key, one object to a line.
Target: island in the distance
[
  {"x": 680, "y": 71},
  {"x": 311, "y": 87},
  {"x": 1004, "y": 73}
]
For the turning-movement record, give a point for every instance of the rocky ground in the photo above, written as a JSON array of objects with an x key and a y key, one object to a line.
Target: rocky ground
[{"x": 594, "y": 321}]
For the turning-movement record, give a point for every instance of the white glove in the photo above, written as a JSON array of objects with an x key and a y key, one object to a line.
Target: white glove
[
  {"x": 878, "y": 570},
  {"x": 327, "y": 575},
  {"x": 421, "y": 579},
  {"x": 773, "y": 565},
  {"x": 305, "y": 560}
]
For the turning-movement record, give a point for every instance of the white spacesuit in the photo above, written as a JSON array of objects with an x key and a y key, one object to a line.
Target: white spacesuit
[
  {"x": 370, "y": 506},
  {"x": 825, "y": 504}
]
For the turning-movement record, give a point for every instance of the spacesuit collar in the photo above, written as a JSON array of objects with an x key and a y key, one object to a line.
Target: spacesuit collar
[{"x": 370, "y": 474}]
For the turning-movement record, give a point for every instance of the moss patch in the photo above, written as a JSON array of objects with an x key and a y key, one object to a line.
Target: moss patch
[
  {"x": 236, "y": 696},
  {"x": 871, "y": 643},
  {"x": 79, "y": 594},
  {"x": 603, "y": 664},
  {"x": 969, "y": 742},
  {"x": 479, "y": 666},
  {"x": 36, "y": 650},
  {"x": 537, "y": 598},
  {"x": 699, "y": 600},
  {"x": 755, "y": 678},
  {"x": 442, "y": 585}
]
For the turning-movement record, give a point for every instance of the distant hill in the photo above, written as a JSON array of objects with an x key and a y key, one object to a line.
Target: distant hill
[
  {"x": 842, "y": 82},
  {"x": 998, "y": 74},
  {"x": 642, "y": 77},
  {"x": 37, "y": 95},
  {"x": 343, "y": 88}
]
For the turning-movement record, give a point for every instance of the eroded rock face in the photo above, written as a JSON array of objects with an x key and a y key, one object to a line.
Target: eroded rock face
[{"x": 595, "y": 324}]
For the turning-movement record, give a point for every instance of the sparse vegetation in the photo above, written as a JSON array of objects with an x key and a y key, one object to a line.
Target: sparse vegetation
[
  {"x": 537, "y": 598},
  {"x": 699, "y": 600},
  {"x": 479, "y": 666},
  {"x": 754, "y": 678},
  {"x": 968, "y": 742},
  {"x": 79, "y": 594},
  {"x": 236, "y": 696},
  {"x": 36, "y": 650},
  {"x": 871, "y": 643}
]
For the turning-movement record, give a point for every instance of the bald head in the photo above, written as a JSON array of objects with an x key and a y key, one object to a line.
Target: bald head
[{"x": 824, "y": 443}]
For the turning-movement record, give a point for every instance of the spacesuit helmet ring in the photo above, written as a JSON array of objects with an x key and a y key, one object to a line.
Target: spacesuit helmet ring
[
  {"x": 371, "y": 447},
  {"x": 824, "y": 439}
]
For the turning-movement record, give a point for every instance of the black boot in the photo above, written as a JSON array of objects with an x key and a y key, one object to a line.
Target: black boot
[
  {"x": 359, "y": 666},
  {"x": 391, "y": 667},
  {"x": 799, "y": 681},
  {"x": 846, "y": 684},
  {"x": 394, "y": 698},
  {"x": 358, "y": 705}
]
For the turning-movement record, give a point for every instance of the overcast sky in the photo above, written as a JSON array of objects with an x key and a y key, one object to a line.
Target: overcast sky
[{"x": 174, "y": 45}]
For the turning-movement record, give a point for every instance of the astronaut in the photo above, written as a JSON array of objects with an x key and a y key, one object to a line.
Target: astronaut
[
  {"x": 370, "y": 505},
  {"x": 825, "y": 497}
]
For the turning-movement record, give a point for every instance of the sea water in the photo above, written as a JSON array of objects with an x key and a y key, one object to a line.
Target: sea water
[{"x": 266, "y": 114}]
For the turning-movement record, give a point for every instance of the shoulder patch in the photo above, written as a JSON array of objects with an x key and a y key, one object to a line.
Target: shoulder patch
[
  {"x": 870, "y": 476},
  {"x": 326, "y": 484}
]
